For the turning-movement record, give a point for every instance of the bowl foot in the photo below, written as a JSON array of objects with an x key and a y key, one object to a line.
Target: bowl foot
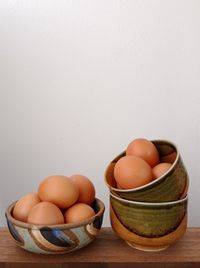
[{"x": 147, "y": 248}]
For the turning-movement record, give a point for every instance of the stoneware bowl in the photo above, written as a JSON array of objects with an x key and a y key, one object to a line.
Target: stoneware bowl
[
  {"x": 148, "y": 226},
  {"x": 55, "y": 239},
  {"x": 173, "y": 185}
]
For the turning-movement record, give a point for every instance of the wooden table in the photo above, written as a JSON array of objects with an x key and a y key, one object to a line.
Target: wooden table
[{"x": 106, "y": 251}]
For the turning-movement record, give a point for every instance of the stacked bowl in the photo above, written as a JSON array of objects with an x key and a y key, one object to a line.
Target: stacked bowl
[{"x": 153, "y": 216}]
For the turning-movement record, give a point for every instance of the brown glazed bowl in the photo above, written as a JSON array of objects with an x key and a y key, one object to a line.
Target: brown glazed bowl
[
  {"x": 148, "y": 226},
  {"x": 55, "y": 239},
  {"x": 173, "y": 185}
]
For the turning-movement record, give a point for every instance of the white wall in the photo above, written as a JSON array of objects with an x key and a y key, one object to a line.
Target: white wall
[{"x": 80, "y": 79}]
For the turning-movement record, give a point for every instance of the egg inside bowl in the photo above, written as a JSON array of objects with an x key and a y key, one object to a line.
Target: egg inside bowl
[{"x": 55, "y": 239}]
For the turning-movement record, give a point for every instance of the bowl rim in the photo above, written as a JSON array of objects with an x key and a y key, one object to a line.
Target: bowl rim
[
  {"x": 155, "y": 181},
  {"x": 150, "y": 204},
  {"x": 62, "y": 226}
]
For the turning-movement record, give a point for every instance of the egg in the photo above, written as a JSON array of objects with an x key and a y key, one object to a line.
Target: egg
[
  {"x": 161, "y": 169},
  {"x": 169, "y": 158},
  {"x": 24, "y": 205},
  {"x": 132, "y": 171},
  {"x": 45, "y": 213},
  {"x": 144, "y": 149},
  {"x": 86, "y": 189},
  {"x": 59, "y": 190},
  {"x": 78, "y": 212},
  {"x": 118, "y": 186}
]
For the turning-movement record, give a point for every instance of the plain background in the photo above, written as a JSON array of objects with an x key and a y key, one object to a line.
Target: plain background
[{"x": 80, "y": 79}]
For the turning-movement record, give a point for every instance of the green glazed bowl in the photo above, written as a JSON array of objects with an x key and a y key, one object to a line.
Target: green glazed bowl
[
  {"x": 173, "y": 185},
  {"x": 148, "y": 226}
]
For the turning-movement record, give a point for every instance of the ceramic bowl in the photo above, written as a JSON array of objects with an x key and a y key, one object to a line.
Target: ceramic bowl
[
  {"x": 55, "y": 239},
  {"x": 148, "y": 226},
  {"x": 173, "y": 185}
]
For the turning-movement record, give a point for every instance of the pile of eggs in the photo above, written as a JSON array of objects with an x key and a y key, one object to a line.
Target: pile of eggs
[
  {"x": 59, "y": 199},
  {"x": 141, "y": 164}
]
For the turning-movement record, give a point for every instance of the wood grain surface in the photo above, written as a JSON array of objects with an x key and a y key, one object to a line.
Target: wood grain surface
[{"x": 108, "y": 250}]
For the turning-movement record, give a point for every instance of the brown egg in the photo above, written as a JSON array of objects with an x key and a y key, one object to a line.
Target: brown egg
[
  {"x": 24, "y": 205},
  {"x": 161, "y": 169},
  {"x": 78, "y": 212},
  {"x": 132, "y": 171},
  {"x": 119, "y": 186},
  {"x": 144, "y": 149},
  {"x": 169, "y": 158},
  {"x": 59, "y": 190},
  {"x": 86, "y": 189},
  {"x": 45, "y": 213}
]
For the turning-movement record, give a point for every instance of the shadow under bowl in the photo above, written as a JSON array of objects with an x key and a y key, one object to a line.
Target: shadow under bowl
[
  {"x": 55, "y": 239},
  {"x": 171, "y": 186},
  {"x": 148, "y": 226}
]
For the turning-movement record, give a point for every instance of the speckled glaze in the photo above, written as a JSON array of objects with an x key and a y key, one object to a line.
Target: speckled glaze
[
  {"x": 55, "y": 239},
  {"x": 148, "y": 226},
  {"x": 172, "y": 186}
]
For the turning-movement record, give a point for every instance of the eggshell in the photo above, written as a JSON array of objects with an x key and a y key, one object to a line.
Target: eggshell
[
  {"x": 132, "y": 171},
  {"x": 144, "y": 149},
  {"x": 78, "y": 212},
  {"x": 45, "y": 213},
  {"x": 59, "y": 190},
  {"x": 161, "y": 169},
  {"x": 86, "y": 189},
  {"x": 24, "y": 205},
  {"x": 119, "y": 186}
]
